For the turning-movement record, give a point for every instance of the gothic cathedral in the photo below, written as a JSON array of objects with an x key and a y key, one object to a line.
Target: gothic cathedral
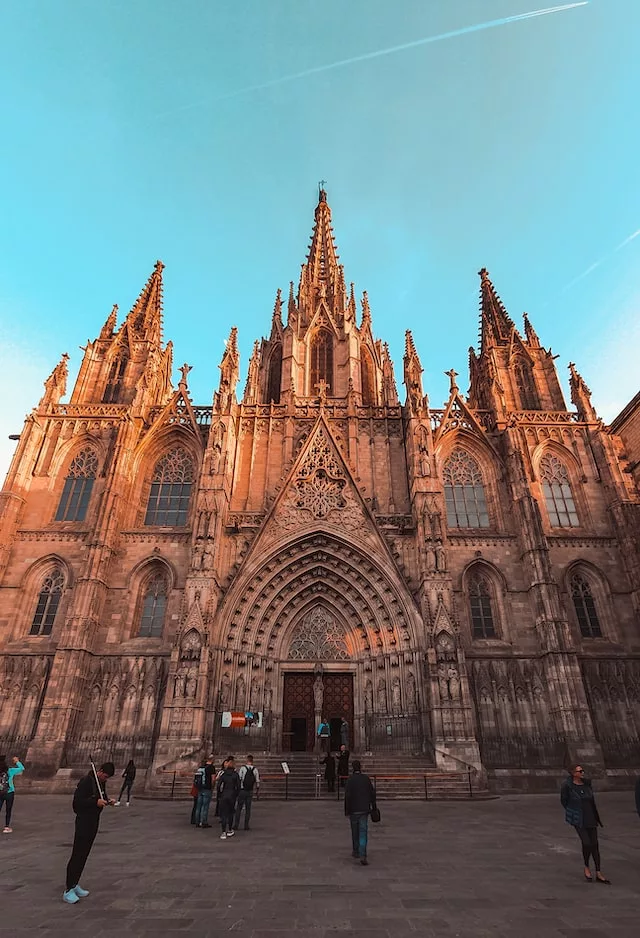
[{"x": 464, "y": 581}]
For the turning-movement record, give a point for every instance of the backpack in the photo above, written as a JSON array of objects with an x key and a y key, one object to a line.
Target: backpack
[
  {"x": 4, "y": 783},
  {"x": 249, "y": 779},
  {"x": 198, "y": 779}
]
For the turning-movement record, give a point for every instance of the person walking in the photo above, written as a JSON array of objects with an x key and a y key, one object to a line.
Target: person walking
[
  {"x": 7, "y": 788},
  {"x": 581, "y": 812},
  {"x": 343, "y": 765},
  {"x": 129, "y": 776},
  {"x": 329, "y": 764},
  {"x": 359, "y": 802},
  {"x": 249, "y": 782},
  {"x": 228, "y": 790},
  {"x": 204, "y": 783},
  {"x": 87, "y": 805}
]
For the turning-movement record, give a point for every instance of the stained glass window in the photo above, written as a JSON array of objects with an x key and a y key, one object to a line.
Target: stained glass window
[
  {"x": 480, "y": 602},
  {"x": 321, "y": 360},
  {"x": 557, "y": 493},
  {"x": 170, "y": 492},
  {"x": 464, "y": 492},
  {"x": 154, "y": 607},
  {"x": 48, "y": 602},
  {"x": 77, "y": 487},
  {"x": 585, "y": 607}
]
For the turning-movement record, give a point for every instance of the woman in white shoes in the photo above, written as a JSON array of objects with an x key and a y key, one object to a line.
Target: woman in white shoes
[
  {"x": 7, "y": 790},
  {"x": 129, "y": 776}
]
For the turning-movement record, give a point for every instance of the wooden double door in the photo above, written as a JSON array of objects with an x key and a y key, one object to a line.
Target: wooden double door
[{"x": 298, "y": 716}]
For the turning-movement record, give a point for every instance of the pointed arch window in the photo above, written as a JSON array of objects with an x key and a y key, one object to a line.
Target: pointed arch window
[
  {"x": 78, "y": 484},
  {"x": 585, "y": 607},
  {"x": 367, "y": 378},
  {"x": 321, "y": 366},
  {"x": 526, "y": 386},
  {"x": 115, "y": 378},
  {"x": 557, "y": 493},
  {"x": 153, "y": 607},
  {"x": 48, "y": 602},
  {"x": 168, "y": 503},
  {"x": 464, "y": 492},
  {"x": 275, "y": 376},
  {"x": 482, "y": 620}
]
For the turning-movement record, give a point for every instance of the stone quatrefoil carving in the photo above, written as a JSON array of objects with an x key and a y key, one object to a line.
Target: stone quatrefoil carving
[
  {"x": 318, "y": 638},
  {"x": 320, "y": 482}
]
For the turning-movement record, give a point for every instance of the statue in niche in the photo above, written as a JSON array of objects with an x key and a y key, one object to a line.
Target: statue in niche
[
  {"x": 179, "y": 684},
  {"x": 382, "y": 695},
  {"x": 254, "y": 697},
  {"x": 441, "y": 559},
  {"x": 368, "y": 697},
  {"x": 240, "y": 693},
  {"x": 411, "y": 691},
  {"x": 225, "y": 690},
  {"x": 268, "y": 696},
  {"x": 318, "y": 693},
  {"x": 443, "y": 682},
  {"x": 453, "y": 680},
  {"x": 396, "y": 697},
  {"x": 191, "y": 685}
]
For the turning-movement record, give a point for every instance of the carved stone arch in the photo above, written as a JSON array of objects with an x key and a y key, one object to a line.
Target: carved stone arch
[
  {"x": 490, "y": 465},
  {"x": 147, "y": 570},
  {"x": 567, "y": 461},
  {"x": 595, "y": 584},
  {"x": 69, "y": 449},
  {"x": 475, "y": 606},
  {"x": 156, "y": 444},
  {"x": 318, "y": 636},
  {"x": 36, "y": 577},
  {"x": 191, "y": 646}
]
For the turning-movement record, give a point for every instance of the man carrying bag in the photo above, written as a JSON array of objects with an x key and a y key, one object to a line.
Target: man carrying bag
[{"x": 359, "y": 803}]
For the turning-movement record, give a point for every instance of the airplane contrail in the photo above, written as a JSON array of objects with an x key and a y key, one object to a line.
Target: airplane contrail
[
  {"x": 392, "y": 50},
  {"x": 601, "y": 260}
]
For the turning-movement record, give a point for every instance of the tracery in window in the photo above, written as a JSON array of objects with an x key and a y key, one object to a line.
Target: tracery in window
[
  {"x": 115, "y": 378},
  {"x": 168, "y": 503},
  {"x": 557, "y": 493},
  {"x": 585, "y": 607},
  {"x": 275, "y": 376},
  {"x": 526, "y": 386},
  {"x": 482, "y": 622},
  {"x": 464, "y": 492},
  {"x": 153, "y": 607},
  {"x": 77, "y": 487},
  {"x": 48, "y": 602},
  {"x": 321, "y": 364},
  {"x": 367, "y": 377}
]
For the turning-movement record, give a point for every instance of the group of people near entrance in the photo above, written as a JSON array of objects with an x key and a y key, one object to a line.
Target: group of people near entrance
[
  {"x": 234, "y": 793},
  {"x": 329, "y": 763}
]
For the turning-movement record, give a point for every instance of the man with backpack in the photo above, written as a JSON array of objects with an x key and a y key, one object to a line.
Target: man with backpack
[
  {"x": 249, "y": 782},
  {"x": 203, "y": 781}
]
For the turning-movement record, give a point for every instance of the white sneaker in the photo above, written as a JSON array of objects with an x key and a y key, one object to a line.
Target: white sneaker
[
  {"x": 128, "y": 803},
  {"x": 223, "y": 836},
  {"x": 117, "y": 803},
  {"x": 70, "y": 896},
  {"x": 8, "y": 830},
  {"x": 230, "y": 833}
]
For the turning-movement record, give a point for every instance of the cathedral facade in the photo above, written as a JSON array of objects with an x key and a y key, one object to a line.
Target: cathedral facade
[{"x": 461, "y": 583}]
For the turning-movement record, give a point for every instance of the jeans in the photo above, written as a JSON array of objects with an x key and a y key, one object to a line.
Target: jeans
[
  {"x": 359, "y": 832},
  {"x": 244, "y": 801},
  {"x": 7, "y": 798},
  {"x": 202, "y": 808},
  {"x": 86, "y": 830}
]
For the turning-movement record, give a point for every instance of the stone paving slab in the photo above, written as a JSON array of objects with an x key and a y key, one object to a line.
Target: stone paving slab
[{"x": 438, "y": 870}]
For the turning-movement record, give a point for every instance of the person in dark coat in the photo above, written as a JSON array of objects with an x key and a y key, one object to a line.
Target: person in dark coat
[
  {"x": 343, "y": 765},
  {"x": 87, "y": 805},
  {"x": 329, "y": 764},
  {"x": 581, "y": 812},
  {"x": 228, "y": 791},
  {"x": 129, "y": 777},
  {"x": 359, "y": 802}
]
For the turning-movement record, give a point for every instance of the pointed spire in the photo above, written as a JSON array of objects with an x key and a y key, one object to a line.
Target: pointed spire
[
  {"x": 412, "y": 373},
  {"x": 252, "y": 387},
  {"x": 495, "y": 323},
  {"x": 530, "y": 332},
  {"x": 276, "y": 319},
  {"x": 55, "y": 387},
  {"x": 366, "y": 312},
  {"x": 108, "y": 329},
  {"x": 581, "y": 396},
  {"x": 389, "y": 388},
  {"x": 350, "y": 313},
  {"x": 321, "y": 277},
  {"x": 292, "y": 309},
  {"x": 229, "y": 371},
  {"x": 145, "y": 317}
]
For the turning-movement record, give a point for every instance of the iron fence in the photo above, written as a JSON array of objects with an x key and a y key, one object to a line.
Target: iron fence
[
  {"x": 13, "y": 745},
  {"x": 109, "y": 748},
  {"x": 235, "y": 739},
  {"x": 395, "y": 734}
]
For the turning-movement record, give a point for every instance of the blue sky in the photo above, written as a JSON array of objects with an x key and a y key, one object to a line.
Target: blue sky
[{"x": 123, "y": 140}]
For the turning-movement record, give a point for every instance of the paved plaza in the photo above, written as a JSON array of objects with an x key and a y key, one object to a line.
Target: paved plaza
[{"x": 507, "y": 867}]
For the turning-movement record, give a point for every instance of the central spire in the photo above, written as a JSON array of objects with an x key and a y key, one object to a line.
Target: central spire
[{"x": 322, "y": 276}]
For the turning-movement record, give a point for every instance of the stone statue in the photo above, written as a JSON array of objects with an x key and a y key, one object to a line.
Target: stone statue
[
  {"x": 368, "y": 697},
  {"x": 443, "y": 682},
  {"x": 454, "y": 682},
  {"x": 179, "y": 685},
  {"x": 191, "y": 684},
  {"x": 411, "y": 690},
  {"x": 225, "y": 690},
  {"x": 318, "y": 694},
  {"x": 396, "y": 697},
  {"x": 254, "y": 698},
  {"x": 382, "y": 695},
  {"x": 268, "y": 697}
]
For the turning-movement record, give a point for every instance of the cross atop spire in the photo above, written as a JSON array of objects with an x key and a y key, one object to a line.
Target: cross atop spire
[
  {"x": 145, "y": 318},
  {"x": 495, "y": 322}
]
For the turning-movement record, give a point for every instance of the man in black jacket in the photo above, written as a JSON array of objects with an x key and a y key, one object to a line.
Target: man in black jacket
[
  {"x": 88, "y": 805},
  {"x": 359, "y": 801}
]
